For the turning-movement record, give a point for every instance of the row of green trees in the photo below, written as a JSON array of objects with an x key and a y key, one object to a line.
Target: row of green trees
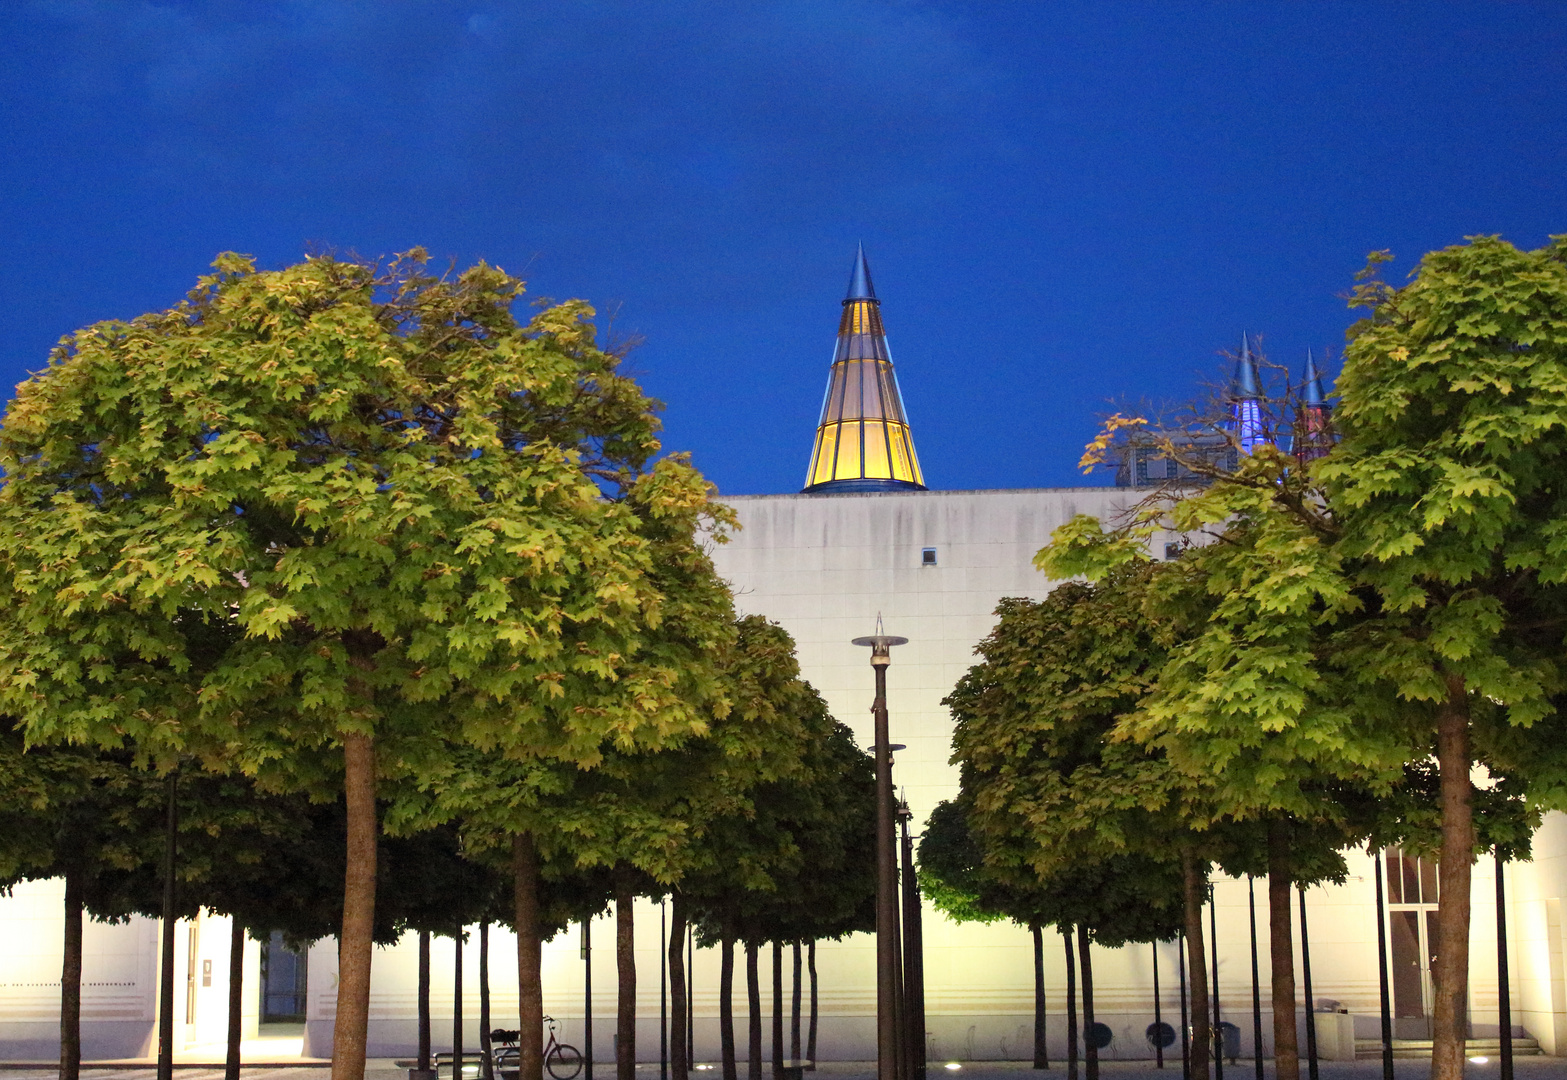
[
  {"x": 1346, "y": 642},
  {"x": 357, "y": 553}
]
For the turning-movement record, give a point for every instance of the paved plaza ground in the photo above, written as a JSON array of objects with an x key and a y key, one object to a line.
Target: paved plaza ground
[{"x": 1525, "y": 1068}]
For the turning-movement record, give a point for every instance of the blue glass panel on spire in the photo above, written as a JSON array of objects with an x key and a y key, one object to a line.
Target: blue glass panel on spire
[
  {"x": 1246, "y": 418},
  {"x": 863, "y": 442}
]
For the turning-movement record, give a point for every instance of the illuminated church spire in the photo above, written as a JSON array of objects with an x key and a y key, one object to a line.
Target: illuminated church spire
[
  {"x": 863, "y": 441},
  {"x": 1246, "y": 402},
  {"x": 1313, "y": 417}
]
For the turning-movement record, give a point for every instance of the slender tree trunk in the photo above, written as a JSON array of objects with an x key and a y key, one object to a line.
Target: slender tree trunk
[
  {"x": 1311, "y": 1003},
  {"x": 486, "y": 1048},
  {"x": 778, "y": 1011},
  {"x": 1186, "y": 1034},
  {"x": 810, "y": 1037},
  {"x": 1041, "y": 1049},
  {"x": 1071, "y": 1005},
  {"x": 530, "y": 987},
  {"x": 663, "y": 991},
  {"x": 626, "y": 968},
  {"x": 71, "y": 979},
  {"x": 726, "y": 1004},
  {"x": 1158, "y": 1017},
  {"x": 1256, "y": 980},
  {"x": 1213, "y": 988},
  {"x": 236, "y": 1017},
  {"x": 753, "y": 1000},
  {"x": 1197, "y": 968},
  {"x": 1451, "y": 969},
  {"x": 1504, "y": 983},
  {"x": 1281, "y": 954},
  {"x": 1090, "y": 1051},
  {"x": 794, "y": 1009},
  {"x": 679, "y": 1061},
  {"x": 587, "y": 997},
  {"x": 691, "y": 996},
  {"x": 457, "y": 988},
  {"x": 424, "y": 1001},
  {"x": 171, "y": 845},
  {"x": 354, "y": 947},
  {"x": 1382, "y": 987}
]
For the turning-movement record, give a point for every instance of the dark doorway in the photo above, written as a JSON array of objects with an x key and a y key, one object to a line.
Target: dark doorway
[
  {"x": 1412, "y": 896},
  {"x": 282, "y": 982}
]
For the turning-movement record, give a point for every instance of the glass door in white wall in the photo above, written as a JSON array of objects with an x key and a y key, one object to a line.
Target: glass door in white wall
[{"x": 1411, "y": 916}]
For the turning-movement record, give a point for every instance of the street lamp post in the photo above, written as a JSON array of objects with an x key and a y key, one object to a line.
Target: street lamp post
[
  {"x": 913, "y": 958},
  {"x": 887, "y": 1033}
]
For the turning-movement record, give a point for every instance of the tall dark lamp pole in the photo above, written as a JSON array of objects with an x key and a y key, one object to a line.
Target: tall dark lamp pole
[
  {"x": 914, "y": 955},
  {"x": 887, "y": 1034},
  {"x": 166, "y": 974}
]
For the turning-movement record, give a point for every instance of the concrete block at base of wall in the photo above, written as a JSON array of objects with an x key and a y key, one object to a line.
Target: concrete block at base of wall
[
  {"x": 1335, "y": 1036},
  {"x": 102, "y": 1040}
]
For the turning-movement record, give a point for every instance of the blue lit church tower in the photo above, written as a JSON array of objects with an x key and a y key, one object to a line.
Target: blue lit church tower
[
  {"x": 863, "y": 441},
  {"x": 1246, "y": 420}
]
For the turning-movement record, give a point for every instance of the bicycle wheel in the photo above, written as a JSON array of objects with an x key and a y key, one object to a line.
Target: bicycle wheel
[{"x": 563, "y": 1062}]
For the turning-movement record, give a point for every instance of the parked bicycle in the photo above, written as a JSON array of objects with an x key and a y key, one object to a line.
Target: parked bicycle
[{"x": 562, "y": 1060}]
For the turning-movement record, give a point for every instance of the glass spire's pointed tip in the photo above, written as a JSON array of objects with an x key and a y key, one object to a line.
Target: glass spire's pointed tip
[
  {"x": 1311, "y": 392},
  {"x": 860, "y": 287},
  {"x": 1246, "y": 386}
]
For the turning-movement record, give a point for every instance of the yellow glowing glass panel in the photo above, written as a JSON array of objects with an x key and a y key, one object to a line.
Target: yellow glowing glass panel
[
  {"x": 852, "y": 408},
  {"x": 828, "y": 439},
  {"x": 914, "y": 459},
  {"x": 891, "y": 408},
  {"x": 816, "y": 455},
  {"x": 848, "y": 452},
  {"x": 876, "y": 466},
  {"x": 899, "y": 438},
  {"x": 834, "y": 407},
  {"x": 870, "y": 391}
]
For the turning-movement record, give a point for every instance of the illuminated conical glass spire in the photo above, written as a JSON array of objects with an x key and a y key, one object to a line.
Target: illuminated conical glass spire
[{"x": 863, "y": 441}]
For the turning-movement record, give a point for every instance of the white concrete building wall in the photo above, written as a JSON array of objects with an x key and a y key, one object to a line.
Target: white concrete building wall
[
  {"x": 1538, "y": 931},
  {"x": 119, "y": 980},
  {"x": 824, "y": 567},
  {"x": 119, "y": 972}
]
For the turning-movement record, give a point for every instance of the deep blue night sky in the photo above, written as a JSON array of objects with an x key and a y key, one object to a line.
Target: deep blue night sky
[{"x": 1063, "y": 204}]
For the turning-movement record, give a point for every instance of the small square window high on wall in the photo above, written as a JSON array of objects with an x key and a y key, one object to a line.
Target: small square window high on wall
[{"x": 927, "y": 556}]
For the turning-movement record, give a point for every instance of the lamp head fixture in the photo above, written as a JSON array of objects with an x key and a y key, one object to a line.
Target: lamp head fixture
[{"x": 880, "y": 645}]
